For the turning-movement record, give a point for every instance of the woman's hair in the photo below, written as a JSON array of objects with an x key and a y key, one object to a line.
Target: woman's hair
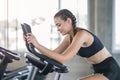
[{"x": 64, "y": 14}]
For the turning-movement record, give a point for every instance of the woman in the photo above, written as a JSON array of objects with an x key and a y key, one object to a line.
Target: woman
[{"x": 80, "y": 42}]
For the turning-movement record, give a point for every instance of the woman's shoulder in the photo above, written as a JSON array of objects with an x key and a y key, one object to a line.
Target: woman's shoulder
[
  {"x": 79, "y": 30},
  {"x": 84, "y": 34}
]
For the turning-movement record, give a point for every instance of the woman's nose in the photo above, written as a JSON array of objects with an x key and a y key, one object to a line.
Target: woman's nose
[{"x": 59, "y": 28}]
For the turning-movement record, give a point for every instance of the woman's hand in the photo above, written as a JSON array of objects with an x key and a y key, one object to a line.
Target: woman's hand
[
  {"x": 30, "y": 38},
  {"x": 24, "y": 37}
]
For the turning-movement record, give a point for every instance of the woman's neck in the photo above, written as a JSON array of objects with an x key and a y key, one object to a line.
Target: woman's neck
[{"x": 72, "y": 34}]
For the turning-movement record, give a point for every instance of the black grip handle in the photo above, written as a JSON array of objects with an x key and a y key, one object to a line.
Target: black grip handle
[
  {"x": 9, "y": 53},
  {"x": 35, "y": 62},
  {"x": 26, "y": 28},
  {"x": 1, "y": 48},
  {"x": 1, "y": 55}
]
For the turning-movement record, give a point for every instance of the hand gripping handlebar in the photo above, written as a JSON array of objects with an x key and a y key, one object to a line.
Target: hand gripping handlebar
[{"x": 59, "y": 67}]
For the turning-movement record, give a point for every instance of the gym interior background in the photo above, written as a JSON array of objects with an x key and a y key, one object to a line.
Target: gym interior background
[{"x": 99, "y": 16}]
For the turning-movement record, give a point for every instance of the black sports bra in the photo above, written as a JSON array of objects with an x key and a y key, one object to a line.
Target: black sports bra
[{"x": 95, "y": 47}]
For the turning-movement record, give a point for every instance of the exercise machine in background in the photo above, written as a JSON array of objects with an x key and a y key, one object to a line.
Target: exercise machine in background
[{"x": 7, "y": 57}]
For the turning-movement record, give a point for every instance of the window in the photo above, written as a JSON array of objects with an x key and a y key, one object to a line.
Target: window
[
  {"x": 116, "y": 38},
  {"x": 39, "y": 14},
  {"x": 79, "y": 9},
  {"x": 3, "y": 22}
]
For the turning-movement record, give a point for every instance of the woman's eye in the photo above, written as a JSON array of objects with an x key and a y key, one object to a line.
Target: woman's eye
[{"x": 59, "y": 25}]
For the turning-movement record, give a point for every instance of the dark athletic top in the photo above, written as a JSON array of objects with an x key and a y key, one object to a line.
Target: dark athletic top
[{"x": 95, "y": 47}]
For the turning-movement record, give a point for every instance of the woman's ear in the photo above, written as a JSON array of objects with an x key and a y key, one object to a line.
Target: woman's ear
[{"x": 69, "y": 20}]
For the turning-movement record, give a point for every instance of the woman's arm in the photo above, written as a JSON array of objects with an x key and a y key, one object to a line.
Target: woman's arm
[
  {"x": 63, "y": 45},
  {"x": 68, "y": 53}
]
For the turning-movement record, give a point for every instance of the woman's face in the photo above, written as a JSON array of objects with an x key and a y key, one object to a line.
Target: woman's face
[{"x": 64, "y": 27}]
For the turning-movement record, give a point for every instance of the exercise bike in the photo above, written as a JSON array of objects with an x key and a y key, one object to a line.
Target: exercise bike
[
  {"x": 21, "y": 73},
  {"x": 44, "y": 65},
  {"x": 6, "y": 57}
]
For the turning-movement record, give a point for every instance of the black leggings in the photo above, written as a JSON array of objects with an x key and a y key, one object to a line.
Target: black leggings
[{"x": 109, "y": 68}]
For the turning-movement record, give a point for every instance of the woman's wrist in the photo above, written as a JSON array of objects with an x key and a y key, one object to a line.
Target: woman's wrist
[{"x": 37, "y": 45}]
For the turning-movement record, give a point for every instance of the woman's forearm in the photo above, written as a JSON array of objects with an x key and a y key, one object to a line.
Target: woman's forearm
[{"x": 56, "y": 56}]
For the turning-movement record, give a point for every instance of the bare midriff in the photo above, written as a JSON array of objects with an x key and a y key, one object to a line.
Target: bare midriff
[{"x": 99, "y": 56}]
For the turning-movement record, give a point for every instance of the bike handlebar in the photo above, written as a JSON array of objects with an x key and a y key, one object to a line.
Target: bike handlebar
[
  {"x": 9, "y": 53},
  {"x": 27, "y": 29}
]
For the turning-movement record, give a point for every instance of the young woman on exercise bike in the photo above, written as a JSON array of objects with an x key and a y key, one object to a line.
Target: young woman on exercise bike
[{"x": 79, "y": 42}]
